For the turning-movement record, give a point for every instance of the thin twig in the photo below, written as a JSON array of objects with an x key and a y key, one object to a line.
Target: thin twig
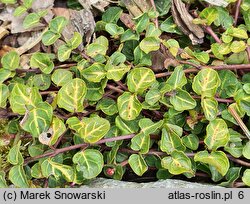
[
  {"x": 156, "y": 19},
  {"x": 195, "y": 69},
  {"x": 210, "y": 31},
  {"x": 237, "y": 11},
  {"x": 73, "y": 147},
  {"x": 114, "y": 88},
  {"x": 239, "y": 121}
]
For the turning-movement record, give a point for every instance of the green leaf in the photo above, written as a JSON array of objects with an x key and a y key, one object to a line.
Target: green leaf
[
  {"x": 23, "y": 97},
  {"x": 202, "y": 56},
  {"x": 10, "y": 60},
  {"x": 50, "y": 37},
  {"x": 3, "y": 183},
  {"x": 141, "y": 143},
  {"x": 4, "y": 94},
  {"x": 8, "y": 1},
  {"x": 148, "y": 126},
  {"x": 246, "y": 150},
  {"x": 65, "y": 170},
  {"x": 210, "y": 108},
  {"x": 20, "y": 10},
  {"x": 129, "y": 35},
  {"x": 138, "y": 164},
  {"x": 217, "y": 134},
  {"x": 37, "y": 120},
  {"x": 170, "y": 141},
  {"x": 41, "y": 81},
  {"x": 28, "y": 3},
  {"x": 17, "y": 177},
  {"x": 31, "y": 20},
  {"x": 64, "y": 52},
  {"x": 94, "y": 73},
  {"x": 75, "y": 41},
  {"x": 71, "y": 95},
  {"x": 232, "y": 175},
  {"x": 126, "y": 127},
  {"x": 149, "y": 44},
  {"x": 191, "y": 141},
  {"x": 173, "y": 46},
  {"x": 206, "y": 82},
  {"x": 139, "y": 79},
  {"x": 224, "y": 18},
  {"x": 35, "y": 149},
  {"x": 107, "y": 105},
  {"x": 216, "y": 159},
  {"x": 42, "y": 61},
  {"x": 114, "y": 29},
  {"x": 178, "y": 163},
  {"x": 112, "y": 15},
  {"x": 163, "y": 6},
  {"x": 177, "y": 78},
  {"x": 153, "y": 31},
  {"x": 36, "y": 171},
  {"x": 237, "y": 46},
  {"x": 61, "y": 77},
  {"x": 142, "y": 23},
  {"x": 169, "y": 26},
  {"x": 129, "y": 106},
  {"x": 57, "y": 24},
  {"x": 246, "y": 177},
  {"x": 89, "y": 162},
  {"x": 141, "y": 58},
  {"x": 95, "y": 49},
  {"x": 90, "y": 129},
  {"x": 4, "y": 74},
  {"x": 14, "y": 156},
  {"x": 116, "y": 73},
  {"x": 182, "y": 100},
  {"x": 152, "y": 96},
  {"x": 229, "y": 84},
  {"x": 210, "y": 14}
]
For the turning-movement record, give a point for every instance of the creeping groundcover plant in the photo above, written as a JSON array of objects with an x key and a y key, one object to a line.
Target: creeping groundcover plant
[{"x": 161, "y": 94}]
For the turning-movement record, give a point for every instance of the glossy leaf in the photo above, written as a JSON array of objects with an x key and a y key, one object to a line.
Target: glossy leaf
[
  {"x": 37, "y": 120},
  {"x": 170, "y": 141},
  {"x": 217, "y": 159},
  {"x": 191, "y": 141},
  {"x": 17, "y": 177},
  {"x": 139, "y": 79},
  {"x": 71, "y": 95},
  {"x": 23, "y": 97},
  {"x": 138, "y": 164},
  {"x": 50, "y": 37},
  {"x": 210, "y": 108},
  {"x": 177, "y": 78},
  {"x": 177, "y": 163},
  {"x": 89, "y": 162},
  {"x": 66, "y": 170},
  {"x": 246, "y": 177},
  {"x": 4, "y": 94},
  {"x": 149, "y": 44},
  {"x": 182, "y": 100},
  {"x": 57, "y": 24},
  {"x": 141, "y": 143},
  {"x": 61, "y": 77},
  {"x": 246, "y": 150},
  {"x": 217, "y": 134},
  {"x": 94, "y": 73},
  {"x": 14, "y": 156},
  {"x": 108, "y": 106},
  {"x": 206, "y": 82},
  {"x": 90, "y": 129},
  {"x": 129, "y": 106},
  {"x": 10, "y": 60}
]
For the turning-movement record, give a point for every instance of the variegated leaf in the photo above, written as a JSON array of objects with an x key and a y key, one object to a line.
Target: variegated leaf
[{"x": 71, "y": 95}]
